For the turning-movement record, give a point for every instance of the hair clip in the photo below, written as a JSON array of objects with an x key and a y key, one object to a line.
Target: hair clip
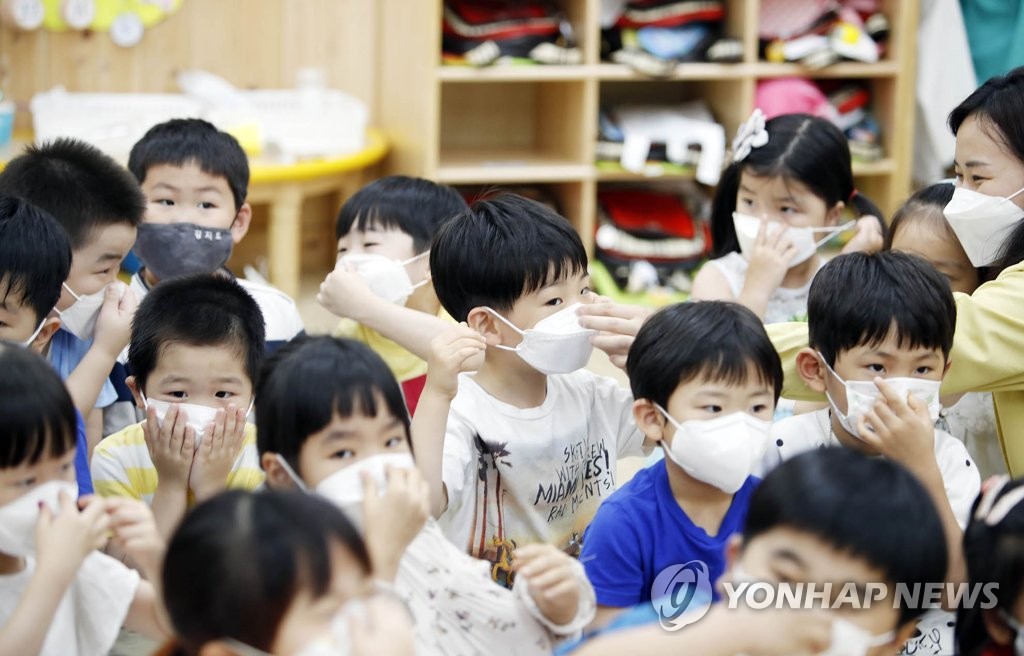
[
  {"x": 993, "y": 509},
  {"x": 752, "y": 134}
]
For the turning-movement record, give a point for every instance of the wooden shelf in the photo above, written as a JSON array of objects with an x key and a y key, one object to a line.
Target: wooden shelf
[
  {"x": 687, "y": 71},
  {"x": 610, "y": 172},
  {"x": 852, "y": 70},
  {"x": 467, "y": 166},
  {"x": 513, "y": 73},
  {"x": 881, "y": 167}
]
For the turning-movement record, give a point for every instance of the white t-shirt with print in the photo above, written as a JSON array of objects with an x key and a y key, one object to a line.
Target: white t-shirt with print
[
  {"x": 517, "y": 476},
  {"x": 792, "y": 436},
  {"x": 91, "y": 612}
]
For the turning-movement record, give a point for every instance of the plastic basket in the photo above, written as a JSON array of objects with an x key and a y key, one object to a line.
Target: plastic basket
[{"x": 305, "y": 123}]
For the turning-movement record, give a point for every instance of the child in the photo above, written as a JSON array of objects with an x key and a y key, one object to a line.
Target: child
[
  {"x": 331, "y": 418},
  {"x": 289, "y": 575},
  {"x": 99, "y": 205},
  {"x": 195, "y": 179},
  {"x": 781, "y": 198},
  {"x": 384, "y": 233},
  {"x": 530, "y": 447},
  {"x": 919, "y": 228},
  {"x": 196, "y": 347},
  {"x": 881, "y": 327},
  {"x": 705, "y": 378},
  {"x": 816, "y": 520},
  {"x": 58, "y": 595},
  {"x": 992, "y": 550}
]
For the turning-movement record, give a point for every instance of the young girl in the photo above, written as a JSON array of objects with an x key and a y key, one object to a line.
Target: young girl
[
  {"x": 992, "y": 548},
  {"x": 781, "y": 198},
  {"x": 920, "y": 228},
  {"x": 331, "y": 417},
  {"x": 276, "y": 573},
  {"x": 58, "y": 595}
]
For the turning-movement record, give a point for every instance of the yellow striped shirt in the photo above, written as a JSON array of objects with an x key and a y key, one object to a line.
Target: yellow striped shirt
[{"x": 121, "y": 466}]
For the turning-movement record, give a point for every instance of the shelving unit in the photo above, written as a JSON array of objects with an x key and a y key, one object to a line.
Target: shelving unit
[{"x": 538, "y": 124}]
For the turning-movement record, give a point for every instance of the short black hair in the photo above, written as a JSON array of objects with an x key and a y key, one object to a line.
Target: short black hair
[
  {"x": 182, "y": 141},
  {"x": 37, "y": 417},
  {"x": 499, "y": 250},
  {"x": 857, "y": 299},
  {"x": 305, "y": 382},
  {"x": 202, "y": 310},
  {"x": 858, "y": 505},
  {"x": 933, "y": 197},
  {"x": 262, "y": 549},
  {"x": 81, "y": 187},
  {"x": 35, "y": 255},
  {"x": 714, "y": 339},
  {"x": 415, "y": 206}
]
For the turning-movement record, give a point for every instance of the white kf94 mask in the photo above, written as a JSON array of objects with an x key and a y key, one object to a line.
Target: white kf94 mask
[{"x": 557, "y": 344}]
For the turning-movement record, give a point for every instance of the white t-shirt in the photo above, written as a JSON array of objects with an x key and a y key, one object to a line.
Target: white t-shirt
[
  {"x": 91, "y": 612},
  {"x": 784, "y": 304},
  {"x": 792, "y": 436},
  {"x": 517, "y": 476}
]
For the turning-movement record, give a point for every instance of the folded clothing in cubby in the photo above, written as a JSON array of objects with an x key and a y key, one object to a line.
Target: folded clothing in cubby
[{"x": 482, "y": 32}]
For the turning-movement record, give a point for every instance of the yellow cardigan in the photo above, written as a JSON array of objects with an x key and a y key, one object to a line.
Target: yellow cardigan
[{"x": 988, "y": 356}]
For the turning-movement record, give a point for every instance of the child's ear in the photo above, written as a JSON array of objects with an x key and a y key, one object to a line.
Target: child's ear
[
  {"x": 834, "y": 214},
  {"x": 240, "y": 226},
  {"x": 217, "y": 648},
  {"x": 133, "y": 385},
  {"x": 50, "y": 326},
  {"x": 484, "y": 322},
  {"x": 945, "y": 370},
  {"x": 811, "y": 369},
  {"x": 277, "y": 477},
  {"x": 997, "y": 628},
  {"x": 649, "y": 420}
]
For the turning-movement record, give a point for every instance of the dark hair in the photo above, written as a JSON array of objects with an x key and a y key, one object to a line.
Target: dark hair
[
  {"x": 993, "y": 554},
  {"x": 200, "y": 310},
  {"x": 35, "y": 255},
  {"x": 998, "y": 105},
  {"x": 713, "y": 339},
  {"x": 82, "y": 188},
  {"x": 237, "y": 562},
  {"x": 500, "y": 249},
  {"x": 37, "y": 417},
  {"x": 305, "y": 382},
  {"x": 183, "y": 141},
  {"x": 857, "y": 299},
  {"x": 807, "y": 149},
  {"x": 859, "y": 506},
  {"x": 415, "y": 206}
]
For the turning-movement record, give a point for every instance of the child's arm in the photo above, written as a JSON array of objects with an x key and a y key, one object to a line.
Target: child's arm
[
  {"x": 393, "y": 519},
  {"x": 902, "y": 430},
  {"x": 451, "y": 353},
  {"x": 557, "y": 586},
  {"x": 63, "y": 541},
  {"x": 345, "y": 294},
  {"x": 217, "y": 452},
  {"x": 172, "y": 450},
  {"x": 869, "y": 237},
  {"x": 137, "y": 537},
  {"x": 113, "y": 329}
]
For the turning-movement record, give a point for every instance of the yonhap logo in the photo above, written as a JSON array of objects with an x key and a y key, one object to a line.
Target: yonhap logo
[{"x": 681, "y": 594}]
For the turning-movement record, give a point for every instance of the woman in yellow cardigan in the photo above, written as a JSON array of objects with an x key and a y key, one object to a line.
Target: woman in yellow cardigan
[{"x": 986, "y": 214}]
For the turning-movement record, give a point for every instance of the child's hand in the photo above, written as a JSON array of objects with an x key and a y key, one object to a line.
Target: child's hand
[
  {"x": 344, "y": 293},
  {"x": 770, "y": 260},
  {"x": 617, "y": 325},
  {"x": 114, "y": 322},
  {"x": 868, "y": 238},
  {"x": 217, "y": 452},
  {"x": 65, "y": 538},
  {"x": 553, "y": 582},
  {"x": 136, "y": 535},
  {"x": 383, "y": 629},
  {"x": 171, "y": 445},
  {"x": 899, "y": 428},
  {"x": 451, "y": 353},
  {"x": 393, "y": 519}
]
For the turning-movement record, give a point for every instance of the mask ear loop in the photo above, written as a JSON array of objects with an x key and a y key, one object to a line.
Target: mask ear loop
[
  {"x": 670, "y": 418},
  {"x": 832, "y": 232},
  {"x": 291, "y": 473},
  {"x": 510, "y": 325}
]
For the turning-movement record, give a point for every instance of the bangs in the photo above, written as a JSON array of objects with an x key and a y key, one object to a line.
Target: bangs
[
  {"x": 554, "y": 272},
  {"x": 734, "y": 369},
  {"x": 37, "y": 418}
]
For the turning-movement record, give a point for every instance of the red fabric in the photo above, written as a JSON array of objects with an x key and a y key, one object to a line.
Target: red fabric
[
  {"x": 659, "y": 13},
  {"x": 500, "y": 19},
  {"x": 640, "y": 211},
  {"x": 998, "y": 650},
  {"x": 412, "y": 389}
]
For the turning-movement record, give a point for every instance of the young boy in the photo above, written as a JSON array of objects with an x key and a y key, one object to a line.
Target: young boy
[
  {"x": 195, "y": 179},
  {"x": 881, "y": 328},
  {"x": 58, "y": 595},
  {"x": 705, "y": 379},
  {"x": 381, "y": 286},
  {"x": 532, "y": 440},
  {"x": 819, "y": 520},
  {"x": 99, "y": 205},
  {"x": 195, "y": 350}
]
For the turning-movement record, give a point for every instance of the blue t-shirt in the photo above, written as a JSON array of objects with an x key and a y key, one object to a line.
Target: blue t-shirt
[
  {"x": 641, "y": 530},
  {"x": 66, "y": 352},
  {"x": 82, "y": 457}
]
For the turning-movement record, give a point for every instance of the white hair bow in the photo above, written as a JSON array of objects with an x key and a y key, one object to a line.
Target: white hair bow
[{"x": 752, "y": 134}]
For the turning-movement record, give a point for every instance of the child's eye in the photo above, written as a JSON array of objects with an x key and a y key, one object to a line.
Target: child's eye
[
  {"x": 166, "y": 202},
  {"x": 343, "y": 454},
  {"x": 393, "y": 442},
  {"x": 713, "y": 409},
  {"x": 179, "y": 394},
  {"x": 586, "y": 290},
  {"x": 787, "y": 209},
  {"x": 370, "y": 244},
  {"x": 876, "y": 368},
  {"x": 224, "y": 394},
  {"x": 554, "y": 302},
  {"x": 759, "y": 408},
  {"x": 27, "y": 482},
  {"x": 207, "y": 206},
  {"x": 746, "y": 202},
  {"x": 923, "y": 371}
]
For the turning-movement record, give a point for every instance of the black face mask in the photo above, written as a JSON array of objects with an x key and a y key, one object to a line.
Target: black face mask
[{"x": 173, "y": 250}]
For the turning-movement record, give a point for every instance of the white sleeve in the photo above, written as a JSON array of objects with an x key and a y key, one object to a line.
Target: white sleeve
[
  {"x": 457, "y": 459},
  {"x": 585, "y": 611},
  {"x": 616, "y": 404},
  {"x": 960, "y": 475}
]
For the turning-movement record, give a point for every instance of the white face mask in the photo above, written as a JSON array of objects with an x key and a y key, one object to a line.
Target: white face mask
[
  {"x": 848, "y": 639},
  {"x": 723, "y": 451},
  {"x": 861, "y": 396},
  {"x": 806, "y": 241},
  {"x": 557, "y": 344},
  {"x": 345, "y": 486},
  {"x": 18, "y": 518},
  {"x": 982, "y": 222},
  {"x": 385, "y": 277},
  {"x": 196, "y": 416},
  {"x": 337, "y": 642},
  {"x": 80, "y": 318}
]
